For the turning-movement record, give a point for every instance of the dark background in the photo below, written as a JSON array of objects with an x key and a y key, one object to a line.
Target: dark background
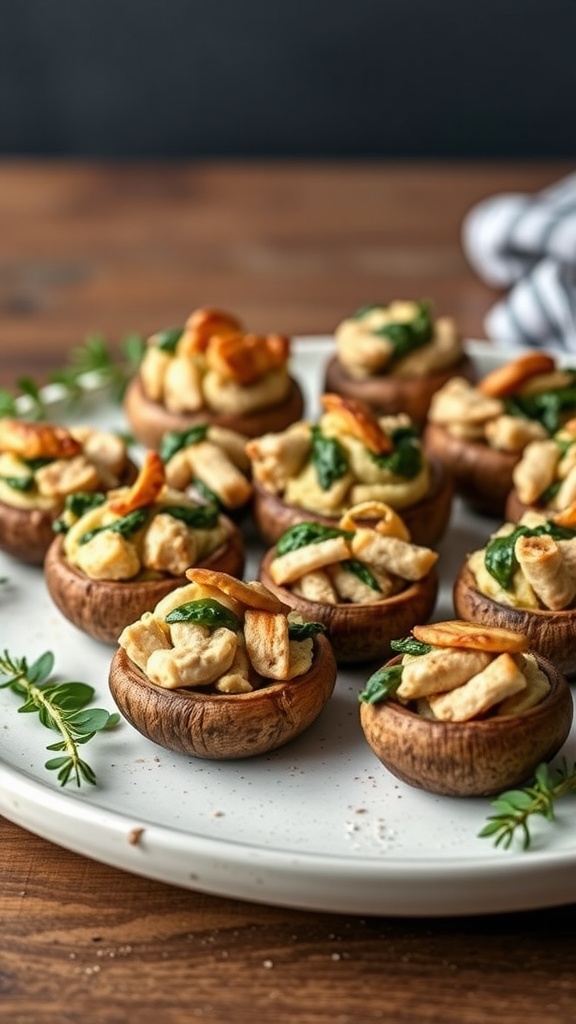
[{"x": 251, "y": 78}]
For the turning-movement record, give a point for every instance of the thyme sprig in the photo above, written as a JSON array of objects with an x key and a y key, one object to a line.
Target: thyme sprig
[
  {"x": 94, "y": 356},
  {"x": 517, "y": 807},
  {"x": 61, "y": 707}
]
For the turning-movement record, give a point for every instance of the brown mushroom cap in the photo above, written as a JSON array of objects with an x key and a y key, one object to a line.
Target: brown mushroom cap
[
  {"x": 514, "y": 508},
  {"x": 482, "y": 475},
  {"x": 551, "y": 633},
  {"x": 26, "y": 533},
  {"x": 361, "y": 632},
  {"x": 426, "y": 519},
  {"x": 103, "y": 608},
  {"x": 386, "y": 394},
  {"x": 151, "y": 420},
  {"x": 476, "y": 758},
  {"x": 224, "y": 726}
]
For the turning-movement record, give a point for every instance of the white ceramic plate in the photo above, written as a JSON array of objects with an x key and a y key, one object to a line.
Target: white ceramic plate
[{"x": 319, "y": 824}]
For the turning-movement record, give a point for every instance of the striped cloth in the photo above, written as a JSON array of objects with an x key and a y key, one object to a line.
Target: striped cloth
[{"x": 527, "y": 244}]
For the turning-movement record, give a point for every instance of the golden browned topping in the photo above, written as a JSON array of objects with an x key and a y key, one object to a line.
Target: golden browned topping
[
  {"x": 504, "y": 380},
  {"x": 456, "y": 633},
  {"x": 41, "y": 464},
  {"x": 213, "y": 363}
]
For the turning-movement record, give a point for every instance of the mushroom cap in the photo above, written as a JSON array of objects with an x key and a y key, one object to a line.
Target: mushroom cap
[
  {"x": 515, "y": 508},
  {"x": 362, "y": 632},
  {"x": 150, "y": 420},
  {"x": 222, "y": 726},
  {"x": 550, "y": 633},
  {"x": 426, "y": 519},
  {"x": 103, "y": 608},
  {"x": 476, "y": 758},
  {"x": 482, "y": 475},
  {"x": 386, "y": 394}
]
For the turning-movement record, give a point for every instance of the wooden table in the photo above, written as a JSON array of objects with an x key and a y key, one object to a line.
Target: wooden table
[{"x": 293, "y": 248}]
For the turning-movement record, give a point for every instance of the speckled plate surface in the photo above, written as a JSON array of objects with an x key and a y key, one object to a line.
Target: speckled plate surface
[{"x": 319, "y": 824}]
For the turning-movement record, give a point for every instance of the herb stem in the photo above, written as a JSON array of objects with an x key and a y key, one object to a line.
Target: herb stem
[{"x": 61, "y": 707}]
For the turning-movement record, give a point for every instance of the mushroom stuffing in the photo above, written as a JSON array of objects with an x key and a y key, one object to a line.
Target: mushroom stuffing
[
  {"x": 353, "y": 562},
  {"x": 41, "y": 465},
  {"x": 115, "y": 555},
  {"x": 348, "y": 457},
  {"x": 221, "y": 669},
  {"x": 211, "y": 368},
  {"x": 531, "y": 564},
  {"x": 142, "y": 531},
  {"x": 401, "y": 339},
  {"x": 219, "y": 631}
]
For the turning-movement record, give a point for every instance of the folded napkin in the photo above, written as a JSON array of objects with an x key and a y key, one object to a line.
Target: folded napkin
[{"x": 527, "y": 243}]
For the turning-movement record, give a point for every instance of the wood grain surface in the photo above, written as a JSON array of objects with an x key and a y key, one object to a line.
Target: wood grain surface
[{"x": 289, "y": 247}]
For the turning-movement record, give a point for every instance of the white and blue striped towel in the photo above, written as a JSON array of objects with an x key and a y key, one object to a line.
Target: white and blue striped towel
[{"x": 527, "y": 244}]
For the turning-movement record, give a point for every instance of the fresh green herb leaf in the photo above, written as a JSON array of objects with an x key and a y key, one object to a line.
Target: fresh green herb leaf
[
  {"x": 410, "y": 645},
  {"x": 382, "y": 684},
  {"x": 516, "y": 807},
  {"x": 93, "y": 356},
  {"x": 167, "y": 339},
  {"x": 303, "y": 630},
  {"x": 405, "y": 337},
  {"x": 8, "y": 406},
  {"x": 301, "y": 534},
  {"x": 547, "y": 407},
  {"x": 362, "y": 572},
  {"x": 31, "y": 390},
  {"x": 205, "y": 492},
  {"x": 61, "y": 707},
  {"x": 175, "y": 440},
  {"x": 83, "y": 501},
  {"x": 329, "y": 459},
  {"x": 125, "y": 526},
  {"x": 75, "y": 506},
  {"x": 19, "y": 483},
  {"x": 205, "y": 612},
  {"x": 549, "y": 493},
  {"x": 406, "y": 459},
  {"x": 200, "y": 517}
]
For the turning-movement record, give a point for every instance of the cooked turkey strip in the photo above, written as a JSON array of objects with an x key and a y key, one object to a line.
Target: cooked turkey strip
[
  {"x": 267, "y": 643},
  {"x": 316, "y": 586},
  {"x": 499, "y": 680},
  {"x": 409, "y": 561},
  {"x": 214, "y": 467},
  {"x": 289, "y": 567},
  {"x": 540, "y": 559},
  {"x": 536, "y": 470},
  {"x": 537, "y": 687},
  {"x": 440, "y": 670}
]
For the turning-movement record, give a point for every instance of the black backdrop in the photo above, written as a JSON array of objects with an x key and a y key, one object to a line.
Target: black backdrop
[{"x": 351, "y": 78}]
